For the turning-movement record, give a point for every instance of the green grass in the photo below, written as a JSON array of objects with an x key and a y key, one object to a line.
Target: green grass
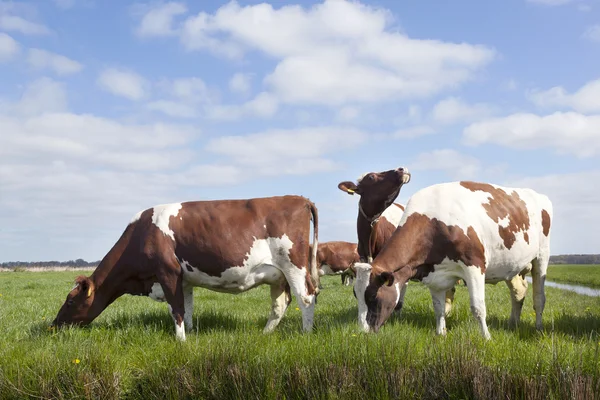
[
  {"x": 130, "y": 351},
  {"x": 586, "y": 275}
]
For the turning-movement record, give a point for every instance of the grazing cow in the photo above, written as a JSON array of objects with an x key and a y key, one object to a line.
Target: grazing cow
[
  {"x": 478, "y": 232},
  {"x": 378, "y": 218},
  {"x": 337, "y": 258},
  {"x": 228, "y": 246}
]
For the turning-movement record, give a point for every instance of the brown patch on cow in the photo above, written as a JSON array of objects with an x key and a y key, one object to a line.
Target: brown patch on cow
[
  {"x": 526, "y": 237},
  {"x": 422, "y": 242},
  {"x": 400, "y": 206},
  {"x": 338, "y": 255},
  {"x": 502, "y": 205},
  {"x": 546, "y": 222}
]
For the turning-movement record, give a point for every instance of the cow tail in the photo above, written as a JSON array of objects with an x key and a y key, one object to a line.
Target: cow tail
[{"x": 314, "y": 267}]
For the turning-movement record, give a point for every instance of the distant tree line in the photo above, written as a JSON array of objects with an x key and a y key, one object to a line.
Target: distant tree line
[
  {"x": 28, "y": 264},
  {"x": 559, "y": 259},
  {"x": 575, "y": 259}
]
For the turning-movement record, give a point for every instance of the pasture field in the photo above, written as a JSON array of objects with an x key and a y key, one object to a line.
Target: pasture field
[
  {"x": 585, "y": 275},
  {"x": 130, "y": 351}
]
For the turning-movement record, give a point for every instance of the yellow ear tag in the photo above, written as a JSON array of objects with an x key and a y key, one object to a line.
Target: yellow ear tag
[
  {"x": 89, "y": 291},
  {"x": 350, "y": 190}
]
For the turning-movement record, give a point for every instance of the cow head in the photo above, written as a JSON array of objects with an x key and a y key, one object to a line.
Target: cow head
[
  {"x": 381, "y": 297},
  {"x": 78, "y": 308},
  {"x": 377, "y": 191}
]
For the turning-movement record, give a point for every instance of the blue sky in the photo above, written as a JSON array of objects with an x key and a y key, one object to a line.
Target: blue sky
[{"x": 110, "y": 107}]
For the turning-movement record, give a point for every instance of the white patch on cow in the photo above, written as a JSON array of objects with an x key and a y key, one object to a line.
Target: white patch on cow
[
  {"x": 326, "y": 270},
  {"x": 156, "y": 293},
  {"x": 180, "y": 331},
  {"x": 265, "y": 226},
  {"x": 363, "y": 273},
  {"x": 393, "y": 214},
  {"x": 397, "y": 286},
  {"x": 504, "y": 222},
  {"x": 161, "y": 215},
  {"x": 136, "y": 217},
  {"x": 263, "y": 264}
]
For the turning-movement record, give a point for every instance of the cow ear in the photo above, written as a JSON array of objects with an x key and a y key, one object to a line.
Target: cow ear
[
  {"x": 86, "y": 285},
  {"x": 348, "y": 187},
  {"x": 386, "y": 278}
]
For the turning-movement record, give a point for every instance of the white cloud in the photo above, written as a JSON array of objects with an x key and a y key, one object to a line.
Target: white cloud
[
  {"x": 347, "y": 113},
  {"x": 189, "y": 88},
  {"x": 567, "y": 132},
  {"x": 450, "y": 161},
  {"x": 9, "y": 47},
  {"x": 454, "y": 110},
  {"x": 294, "y": 151},
  {"x": 592, "y": 33},
  {"x": 575, "y": 198},
  {"x": 185, "y": 98},
  {"x": 173, "y": 108},
  {"x": 263, "y": 105},
  {"x": 157, "y": 20},
  {"x": 510, "y": 85},
  {"x": 413, "y": 132},
  {"x": 41, "y": 95},
  {"x": 240, "y": 83},
  {"x": 586, "y": 99},
  {"x": 336, "y": 52},
  {"x": 123, "y": 83},
  {"x": 61, "y": 65},
  {"x": 9, "y": 21}
]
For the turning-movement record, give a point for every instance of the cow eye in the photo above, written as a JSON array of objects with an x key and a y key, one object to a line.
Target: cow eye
[{"x": 69, "y": 302}]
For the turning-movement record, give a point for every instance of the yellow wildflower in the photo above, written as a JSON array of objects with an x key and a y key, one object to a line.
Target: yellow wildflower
[{"x": 76, "y": 361}]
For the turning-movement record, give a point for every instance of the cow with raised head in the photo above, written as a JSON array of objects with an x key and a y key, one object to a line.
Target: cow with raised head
[
  {"x": 228, "y": 246},
  {"x": 378, "y": 218},
  {"x": 338, "y": 258},
  {"x": 479, "y": 232}
]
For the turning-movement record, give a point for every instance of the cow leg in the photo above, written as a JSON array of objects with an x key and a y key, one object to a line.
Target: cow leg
[
  {"x": 476, "y": 285},
  {"x": 171, "y": 280},
  {"x": 518, "y": 290},
  {"x": 400, "y": 303},
  {"x": 538, "y": 278},
  {"x": 188, "y": 301},
  {"x": 449, "y": 300},
  {"x": 297, "y": 279},
  {"x": 438, "y": 297},
  {"x": 281, "y": 299}
]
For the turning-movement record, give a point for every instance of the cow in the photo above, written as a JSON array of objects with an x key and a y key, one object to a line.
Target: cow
[
  {"x": 378, "y": 218},
  {"x": 337, "y": 258},
  {"x": 227, "y": 246},
  {"x": 479, "y": 232}
]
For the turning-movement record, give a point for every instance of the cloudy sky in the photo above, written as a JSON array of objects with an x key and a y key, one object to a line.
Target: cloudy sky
[{"x": 109, "y": 107}]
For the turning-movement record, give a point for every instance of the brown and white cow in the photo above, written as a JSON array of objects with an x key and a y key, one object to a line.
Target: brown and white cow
[
  {"x": 478, "y": 232},
  {"x": 228, "y": 246},
  {"x": 378, "y": 217},
  {"x": 338, "y": 258}
]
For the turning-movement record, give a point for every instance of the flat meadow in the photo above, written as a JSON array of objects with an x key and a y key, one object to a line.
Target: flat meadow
[{"x": 130, "y": 351}]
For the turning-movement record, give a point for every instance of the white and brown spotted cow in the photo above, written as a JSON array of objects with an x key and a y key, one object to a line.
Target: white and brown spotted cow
[
  {"x": 338, "y": 258},
  {"x": 228, "y": 246},
  {"x": 478, "y": 232},
  {"x": 378, "y": 217}
]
